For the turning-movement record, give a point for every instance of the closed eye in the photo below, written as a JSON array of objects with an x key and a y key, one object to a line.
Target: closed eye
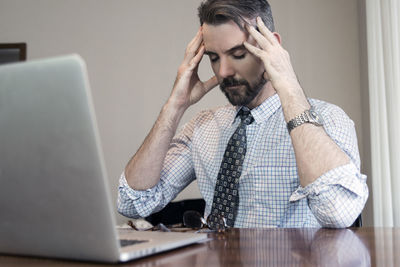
[
  {"x": 239, "y": 56},
  {"x": 213, "y": 58}
]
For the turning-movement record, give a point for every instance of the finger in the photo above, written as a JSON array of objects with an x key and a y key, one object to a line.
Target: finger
[
  {"x": 261, "y": 54},
  {"x": 194, "y": 45},
  {"x": 197, "y": 40},
  {"x": 211, "y": 83},
  {"x": 260, "y": 39},
  {"x": 265, "y": 31},
  {"x": 194, "y": 62},
  {"x": 190, "y": 50},
  {"x": 254, "y": 50}
]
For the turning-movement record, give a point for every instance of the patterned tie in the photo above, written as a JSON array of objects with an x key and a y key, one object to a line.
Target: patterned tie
[{"x": 226, "y": 193}]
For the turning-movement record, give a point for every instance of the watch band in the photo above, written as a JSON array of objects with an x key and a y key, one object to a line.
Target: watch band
[{"x": 308, "y": 116}]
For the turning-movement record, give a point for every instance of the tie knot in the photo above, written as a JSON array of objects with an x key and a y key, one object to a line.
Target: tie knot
[{"x": 245, "y": 116}]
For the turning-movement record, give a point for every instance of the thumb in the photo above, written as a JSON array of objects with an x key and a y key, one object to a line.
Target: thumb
[{"x": 211, "y": 83}]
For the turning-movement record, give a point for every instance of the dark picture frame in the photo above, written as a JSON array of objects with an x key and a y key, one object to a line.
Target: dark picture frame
[{"x": 12, "y": 52}]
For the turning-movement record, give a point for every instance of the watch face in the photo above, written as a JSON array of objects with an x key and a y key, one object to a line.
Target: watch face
[{"x": 316, "y": 116}]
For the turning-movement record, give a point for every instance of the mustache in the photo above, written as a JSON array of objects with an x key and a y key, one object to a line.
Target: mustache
[{"x": 227, "y": 82}]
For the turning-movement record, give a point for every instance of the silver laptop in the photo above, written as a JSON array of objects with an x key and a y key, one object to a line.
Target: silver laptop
[{"x": 54, "y": 193}]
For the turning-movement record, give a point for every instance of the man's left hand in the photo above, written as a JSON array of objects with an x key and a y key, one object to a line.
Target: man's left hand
[{"x": 278, "y": 67}]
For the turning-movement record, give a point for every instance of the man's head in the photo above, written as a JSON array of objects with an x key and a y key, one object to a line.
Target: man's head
[
  {"x": 239, "y": 73},
  {"x": 215, "y": 12}
]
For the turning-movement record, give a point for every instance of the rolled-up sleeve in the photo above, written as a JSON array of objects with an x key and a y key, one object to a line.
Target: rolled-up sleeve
[
  {"x": 176, "y": 174},
  {"x": 338, "y": 196}
]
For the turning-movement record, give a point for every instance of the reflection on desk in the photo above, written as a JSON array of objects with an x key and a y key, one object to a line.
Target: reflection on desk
[
  {"x": 269, "y": 247},
  {"x": 288, "y": 247}
]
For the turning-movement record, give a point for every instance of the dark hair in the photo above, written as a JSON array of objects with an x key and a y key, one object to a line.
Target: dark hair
[{"x": 216, "y": 12}]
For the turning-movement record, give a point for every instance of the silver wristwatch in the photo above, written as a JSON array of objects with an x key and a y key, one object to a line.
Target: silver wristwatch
[{"x": 308, "y": 116}]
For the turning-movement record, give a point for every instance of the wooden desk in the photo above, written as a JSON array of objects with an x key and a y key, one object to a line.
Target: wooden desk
[{"x": 270, "y": 247}]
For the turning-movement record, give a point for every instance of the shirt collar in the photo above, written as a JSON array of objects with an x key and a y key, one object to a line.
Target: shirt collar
[{"x": 265, "y": 110}]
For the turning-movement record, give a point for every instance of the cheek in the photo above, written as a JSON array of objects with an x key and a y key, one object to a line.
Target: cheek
[{"x": 251, "y": 68}]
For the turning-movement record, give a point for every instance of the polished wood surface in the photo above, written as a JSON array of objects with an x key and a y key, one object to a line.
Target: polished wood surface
[{"x": 269, "y": 247}]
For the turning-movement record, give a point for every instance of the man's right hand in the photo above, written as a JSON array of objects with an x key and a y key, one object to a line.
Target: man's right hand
[
  {"x": 143, "y": 170},
  {"x": 188, "y": 88}
]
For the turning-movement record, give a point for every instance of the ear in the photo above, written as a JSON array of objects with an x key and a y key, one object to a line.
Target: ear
[{"x": 277, "y": 36}]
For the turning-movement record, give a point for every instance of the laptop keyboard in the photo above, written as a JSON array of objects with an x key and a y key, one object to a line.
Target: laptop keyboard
[{"x": 130, "y": 242}]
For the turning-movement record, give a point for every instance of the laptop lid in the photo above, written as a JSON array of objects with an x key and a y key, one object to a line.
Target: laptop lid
[{"x": 54, "y": 200}]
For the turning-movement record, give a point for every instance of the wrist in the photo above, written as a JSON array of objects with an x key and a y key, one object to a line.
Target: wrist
[
  {"x": 309, "y": 116},
  {"x": 294, "y": 101},
  {"x": 172, "y": 113},
  {"x": 286, "y": 84},
  {"x": 176, "y": 106}
]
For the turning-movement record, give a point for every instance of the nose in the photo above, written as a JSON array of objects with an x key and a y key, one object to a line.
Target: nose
[{"x": 225, "y": 69}]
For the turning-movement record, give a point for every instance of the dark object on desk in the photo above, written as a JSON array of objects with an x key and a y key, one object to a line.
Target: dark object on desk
[
  {"x": 12, "y": 52},
  {"x": 173, "y": 212},
  {"x": 357, "y": 222}
]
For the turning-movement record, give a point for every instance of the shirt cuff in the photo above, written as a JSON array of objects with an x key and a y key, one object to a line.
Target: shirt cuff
[
  {"x": 133, "y": 194},
  {"x": 347, "y": 176}
]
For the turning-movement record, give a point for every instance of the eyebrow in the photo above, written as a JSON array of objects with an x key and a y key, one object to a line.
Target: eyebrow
[{"x": 229, "y": 51}]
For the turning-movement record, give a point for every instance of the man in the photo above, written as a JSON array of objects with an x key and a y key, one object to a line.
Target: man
[{"x": 273, "y": 158}]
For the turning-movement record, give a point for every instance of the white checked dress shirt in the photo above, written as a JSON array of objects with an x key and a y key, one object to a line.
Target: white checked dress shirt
[{"x": 269, "y": 187}]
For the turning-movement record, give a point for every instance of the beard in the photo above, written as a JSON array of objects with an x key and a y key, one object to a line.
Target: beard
[{"x": 238, "y": 96}]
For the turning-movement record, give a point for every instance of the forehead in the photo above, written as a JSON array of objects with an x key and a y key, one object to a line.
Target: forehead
[{"x": 222, "y": 37}]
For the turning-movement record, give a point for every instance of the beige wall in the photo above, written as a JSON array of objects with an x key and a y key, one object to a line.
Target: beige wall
[{"x": 133, "y": 49}]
